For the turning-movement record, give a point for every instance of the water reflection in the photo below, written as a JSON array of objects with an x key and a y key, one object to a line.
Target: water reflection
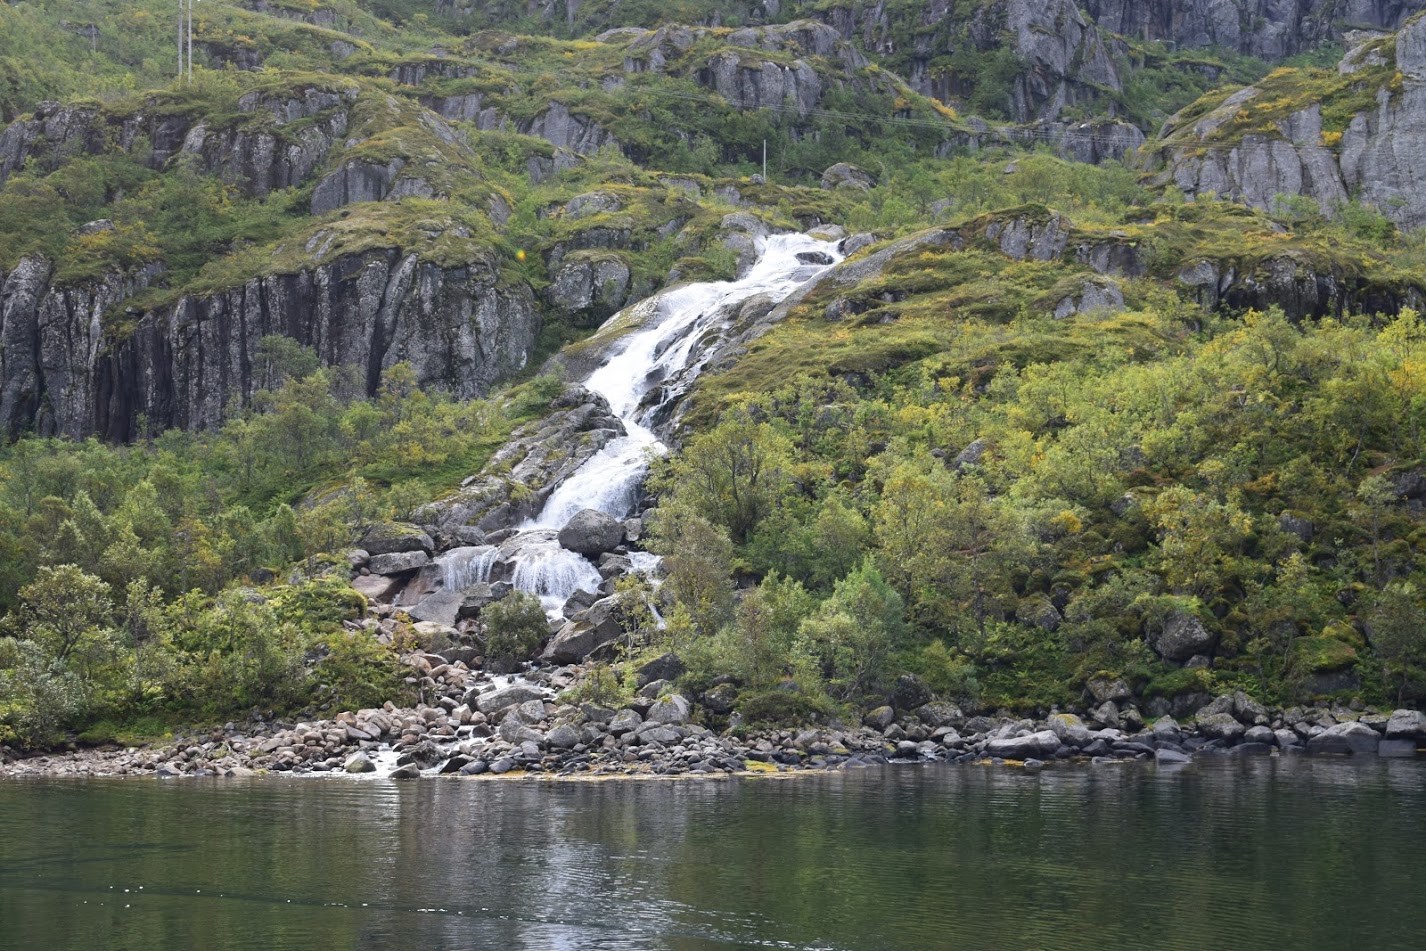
[{"x": 1245, "y": 854}]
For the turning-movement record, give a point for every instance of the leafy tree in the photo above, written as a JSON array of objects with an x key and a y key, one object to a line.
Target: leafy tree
[
  {"x": 848, "y": 640},
  {"x": 733, "y": 474}
]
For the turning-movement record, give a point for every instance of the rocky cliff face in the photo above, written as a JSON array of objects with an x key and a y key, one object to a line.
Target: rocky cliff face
[
  {"x": 1375, "y": 158},
  {"x": 62, "y": 372},
  {"x": 258, "y": 156},
  {"x": 1268, "y": 29}
]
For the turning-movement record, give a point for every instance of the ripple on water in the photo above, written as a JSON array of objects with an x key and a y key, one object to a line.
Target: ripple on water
[{"x": 1305, "y": 854}]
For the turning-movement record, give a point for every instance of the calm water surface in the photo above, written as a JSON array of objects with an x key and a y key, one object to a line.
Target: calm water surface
[{"x": 1300, "y": 854}]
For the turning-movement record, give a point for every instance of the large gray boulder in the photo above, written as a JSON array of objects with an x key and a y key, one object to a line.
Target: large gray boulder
[
  {"x": 1406, "y": 725},
  {"x": 672, "y": 710},
  {"x": 1036, "y": 745},
  {"x": 848, "y": 177},
  {"x": 399, "y": 564},
  {"x": 589, "y": 631},
  {"x": 1221, "y": 726},
  {"x": 390, "y": 538},
  {"x": 1350, "y": 737},
  {"x": 1182, "y": 636},
  {"x": 502, "y": 698},
  {"x": 592, "y": 532}
]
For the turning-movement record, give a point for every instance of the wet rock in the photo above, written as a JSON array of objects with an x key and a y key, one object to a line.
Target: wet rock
[
  {"x": 578, "y": 602},
  {"x": 409, "y": 771},
  {"x": 1406, "y": 725},
  {"x": 1342, "y": 738},
  {"x": 590, "y": 630},
  {"x": 1397, "y": 749},
  {"x": 591, "y": 532},
  {"x": 1169, "y": 757},
  {"x": 1038, "y": 745},
  {"x": 359, "y": 763}
]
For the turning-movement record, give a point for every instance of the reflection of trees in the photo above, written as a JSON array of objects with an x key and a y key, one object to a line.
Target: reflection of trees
[{"x": 1231, "y": 853}]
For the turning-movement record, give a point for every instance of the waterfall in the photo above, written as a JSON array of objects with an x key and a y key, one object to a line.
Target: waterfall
[
  {"x": 651, "y": 368},
  {"x": 664, "y": 353},
  {"x": 463, "y": 567},
  {"x": 553, "y": 573}
]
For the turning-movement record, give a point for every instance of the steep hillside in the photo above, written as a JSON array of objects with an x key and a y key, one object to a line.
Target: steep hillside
[{"x": 1030, "y": 412}]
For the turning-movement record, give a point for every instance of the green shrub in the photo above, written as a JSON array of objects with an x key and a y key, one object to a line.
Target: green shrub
[{"x": 515, "y": 627}]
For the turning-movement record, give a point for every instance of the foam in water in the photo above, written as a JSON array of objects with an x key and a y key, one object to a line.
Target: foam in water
[
  {"x": 463, "y": 567},
  {"x": 664, "y": 349},
  {"x": 554, "y": 573},
  {"x": 663, "y": 352}
]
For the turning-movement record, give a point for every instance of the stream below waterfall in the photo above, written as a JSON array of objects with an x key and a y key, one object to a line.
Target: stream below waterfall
[{"x": 645, "y": 373}]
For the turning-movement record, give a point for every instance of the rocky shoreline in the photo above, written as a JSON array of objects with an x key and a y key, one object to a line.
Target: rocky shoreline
[{"x": 479, "y": 724}]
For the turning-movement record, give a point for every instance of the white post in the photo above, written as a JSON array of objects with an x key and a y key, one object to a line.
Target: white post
[
  {"x": 764, "y": 161},
  {"x": 180, "y": 39},
  {"x": 190, "y": 41}
]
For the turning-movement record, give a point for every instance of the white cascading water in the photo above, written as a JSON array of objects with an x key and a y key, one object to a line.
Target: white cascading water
[
  {"x": 663, "y": 350},
  {"x": 463, "y": 567}
]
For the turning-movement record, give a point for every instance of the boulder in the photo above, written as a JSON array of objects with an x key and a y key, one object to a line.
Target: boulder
[
  {"x": 503, "y": 697},
  {"x": 910, "y": 692},
  {"x": 625, "y": 721},
  {"x": 1036, "y": 745},
  {"x": 849, "y": 177},
  {"x": 514, "y": 731},
  {"x": 880, "y": 718},
  {"x": 1182, "y": 636},
  {"x": 591, "y": 532},
  {"x": 1342, "y": 738},
  {"x": 672, "y": 710},
  {"x": 1103, "y": 689},
  {"x": 721, "y": 699},
  {"x": 359, "y": 764},
  {"x": 665, "y": 667},
  {"x": 562, "y": 737},
  {"x": 1170, "y": 757},
  {"x": 1406, "y": 725},
  {"x": 401, "y": 563},
  {"x": 938, "y": 714},
  {"x": 377, "y": 587},
  {"x": 590, "y": 630},
  {"x": 390, "y": 538},
  {"x": 1221, "y": 726},
  {"x": 1069, "y": 728}
]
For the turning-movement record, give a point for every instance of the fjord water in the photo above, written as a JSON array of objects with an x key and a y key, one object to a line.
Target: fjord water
[{"x": 1301, "y": 854}]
